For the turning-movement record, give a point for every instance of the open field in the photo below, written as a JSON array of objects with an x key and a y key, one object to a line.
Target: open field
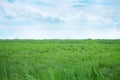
[{"x": 59, "y": 59}]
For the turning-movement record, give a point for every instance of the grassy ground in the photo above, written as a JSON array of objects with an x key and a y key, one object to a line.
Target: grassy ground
[{"x": 59, "y": 59}]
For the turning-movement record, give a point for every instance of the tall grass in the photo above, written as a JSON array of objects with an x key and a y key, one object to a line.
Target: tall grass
[{"x": 59, "y": 59}]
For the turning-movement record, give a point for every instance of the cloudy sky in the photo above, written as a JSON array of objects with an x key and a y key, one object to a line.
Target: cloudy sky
[{"x": 59, "y": 19}]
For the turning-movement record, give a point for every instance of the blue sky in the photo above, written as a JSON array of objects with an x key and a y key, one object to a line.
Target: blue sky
[{"x": 59, "y": 19}]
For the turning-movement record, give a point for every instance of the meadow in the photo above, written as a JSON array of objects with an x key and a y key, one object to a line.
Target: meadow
[{"x": 60, "y": 59}]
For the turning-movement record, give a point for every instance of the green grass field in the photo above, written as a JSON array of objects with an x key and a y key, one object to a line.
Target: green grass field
[{"x": 59, "y": 59}]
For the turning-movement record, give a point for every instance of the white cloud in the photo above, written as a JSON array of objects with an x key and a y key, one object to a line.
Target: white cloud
[
  {"x": 21, "y": 11},
  {"x": 59, "y": 19},
  {"x": 37, "y": 32}
]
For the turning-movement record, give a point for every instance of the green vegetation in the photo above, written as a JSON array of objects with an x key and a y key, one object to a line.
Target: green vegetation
[{"x": 60, "y": 59}]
